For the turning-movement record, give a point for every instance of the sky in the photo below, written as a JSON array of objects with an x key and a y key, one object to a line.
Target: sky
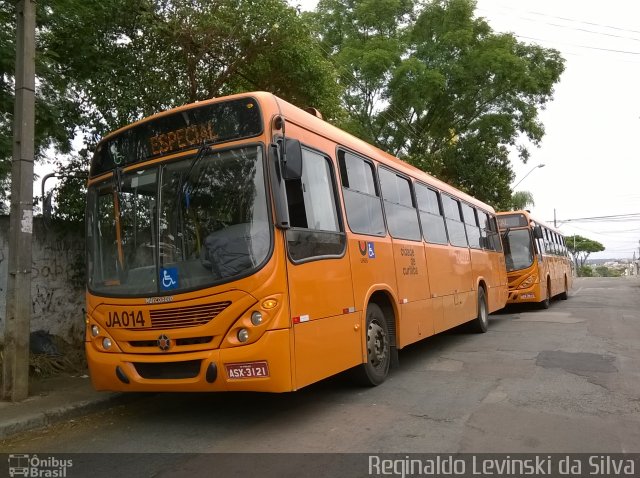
[{"x": 590, "y": 150}]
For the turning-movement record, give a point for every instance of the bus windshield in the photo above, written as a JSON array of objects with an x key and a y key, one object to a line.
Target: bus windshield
[
  {"x": 180, "y": 225},
  {"x": 518, "y": 249}
]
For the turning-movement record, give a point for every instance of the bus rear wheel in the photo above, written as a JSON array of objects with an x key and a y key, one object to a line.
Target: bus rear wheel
[
  {"x": 375, "y": 370},
  {"x": 565, "y": 294},
  {"x": 481, "y": 323}
]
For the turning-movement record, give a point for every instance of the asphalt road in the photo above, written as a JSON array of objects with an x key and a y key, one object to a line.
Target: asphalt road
[{"x": 566, "y": 379}]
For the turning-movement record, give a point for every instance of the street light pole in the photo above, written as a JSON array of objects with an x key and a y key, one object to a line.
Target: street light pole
[{"x": 541, "y": 165}]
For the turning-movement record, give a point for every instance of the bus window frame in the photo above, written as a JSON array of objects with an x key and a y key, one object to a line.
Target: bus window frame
[
  {"x": 438, "y": 194},
  {"x": 460, "y": 219},
  {"x": 376, "y": 185},
  {"x": 414, "y": 203},
  {"x": 339, "y": 212}
]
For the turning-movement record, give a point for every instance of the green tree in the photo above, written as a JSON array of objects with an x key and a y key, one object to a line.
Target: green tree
[
  {"x": 602, "y": 271},
  {"x": 585, "y": 271},
  {"x": 581, "y": 248},
  {"x": 521, "y": 200},
  {"x": 56, "y": 114},
  {"x": 103, "y": 64},
  {"x": 439, "y": 87}
]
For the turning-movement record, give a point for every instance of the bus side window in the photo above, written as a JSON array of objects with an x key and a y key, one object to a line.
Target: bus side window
[
  {"x": 316, "y": 230},
  {"x": 361, "y": 195},
  {"x": 402, "y": 217},
  {"x": 496, "y": 239},
  {"x": 455, "y": 226},
  {"x": 485, "y": 231},
  {"x": 471, "y": 225},
  {"x": 431, "y": 215}
]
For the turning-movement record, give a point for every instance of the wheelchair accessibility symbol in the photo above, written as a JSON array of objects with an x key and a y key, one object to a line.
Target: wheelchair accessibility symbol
[{"x": 169, "y": 278}]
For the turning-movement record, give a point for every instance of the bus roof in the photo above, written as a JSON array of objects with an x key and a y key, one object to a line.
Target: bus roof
[{"x": 318, "y": 126}]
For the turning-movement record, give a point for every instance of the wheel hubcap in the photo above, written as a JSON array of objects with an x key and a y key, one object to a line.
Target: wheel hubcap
[{"x": 376, "y": 344}]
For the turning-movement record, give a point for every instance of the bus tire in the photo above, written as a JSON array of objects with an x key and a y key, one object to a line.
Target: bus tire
[
  {"x": 565, "y": 294},
  {"x": 546, "y": 302},
  {"x": 375, "y": 370},
  {"x": 481, "y": 323}
]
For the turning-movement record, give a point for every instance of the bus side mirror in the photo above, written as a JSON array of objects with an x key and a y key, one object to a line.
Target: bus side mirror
[
  {"x": 292, "y": 159},
  {"x": 537, "y": 232},
  {"x": 278, "y": 187}
]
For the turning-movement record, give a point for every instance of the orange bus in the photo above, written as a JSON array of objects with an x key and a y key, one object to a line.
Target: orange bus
[
  {"x": 242, "y": 243},
  {"x": 538, "y": 264}
]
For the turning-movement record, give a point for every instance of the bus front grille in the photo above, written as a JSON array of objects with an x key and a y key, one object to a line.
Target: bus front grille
[
  {"x": 168, "y": 370},
  {"x": 177, "y": 342},
  {"x": 186, "y": 316}
]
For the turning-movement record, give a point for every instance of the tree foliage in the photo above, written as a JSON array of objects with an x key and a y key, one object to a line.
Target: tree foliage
[
  {"x": 521, "y": 200},
  {"x": 103, "y": 64},
  {"x": 429, "y": 82},
  {"x": 455, "y": 95},
  {"x": 581, "y": 248},
  {"x": 604, "y": 271},
  {"x": 585, "y": 271}
]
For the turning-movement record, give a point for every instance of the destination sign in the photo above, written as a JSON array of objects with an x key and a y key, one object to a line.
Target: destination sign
[
  {"x": 512, "y": 220},
  {"x": 174, "y": 132}
]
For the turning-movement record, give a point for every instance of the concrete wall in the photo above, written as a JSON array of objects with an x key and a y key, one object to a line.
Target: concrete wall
[{"x": 57, "y": 274}]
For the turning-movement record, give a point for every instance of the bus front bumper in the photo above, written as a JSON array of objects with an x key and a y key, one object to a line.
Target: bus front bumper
[
  {"x": 263, "y": 366},
  {"x": 528, "y": 295}
]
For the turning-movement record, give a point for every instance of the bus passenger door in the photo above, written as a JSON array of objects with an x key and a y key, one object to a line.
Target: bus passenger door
[{"x": 326, "y": 331}]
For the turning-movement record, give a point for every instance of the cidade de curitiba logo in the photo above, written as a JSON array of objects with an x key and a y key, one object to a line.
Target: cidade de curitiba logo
[{"x": 38, "y": 467}]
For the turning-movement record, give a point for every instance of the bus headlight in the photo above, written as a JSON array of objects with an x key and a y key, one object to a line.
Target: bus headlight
[
  {"x": 106, "y": 343},
  {"x": 95, "y": 331},
  {"x": 243, "y": 335},
  {"x": 528, "y": 282},
  {"x": 256, "y": 318}
]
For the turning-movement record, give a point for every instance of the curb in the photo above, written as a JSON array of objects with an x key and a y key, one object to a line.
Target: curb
[{"x": 57, "y": 414}]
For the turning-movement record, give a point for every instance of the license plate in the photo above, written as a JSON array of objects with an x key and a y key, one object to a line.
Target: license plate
[{"x": 247, "y": 369}]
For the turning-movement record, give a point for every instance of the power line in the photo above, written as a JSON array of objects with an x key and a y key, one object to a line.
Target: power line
[
  {"x": 569, "y": 27},
  {"x": 613, "y": 217},
  {"x": 573, "y": 20},
  {"x": 585, "y": 22},
  {"x": 625, "y": 52}
]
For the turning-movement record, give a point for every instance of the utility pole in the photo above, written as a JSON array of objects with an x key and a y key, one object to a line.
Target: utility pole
[
  {"x": 15, "y": 366},
  {"x": 555, "y": 223}
]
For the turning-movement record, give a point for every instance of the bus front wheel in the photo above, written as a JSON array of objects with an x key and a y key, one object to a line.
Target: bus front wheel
[
  {"x": 374, "y": 371},
  {"x": 547, "y": 301}
]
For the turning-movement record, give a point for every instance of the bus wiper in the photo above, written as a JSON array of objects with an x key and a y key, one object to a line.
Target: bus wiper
[
  {"x": 204, "y": 149},
  {"x": 181, "y": 190},
  {"x": 505, "y": 234}
]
